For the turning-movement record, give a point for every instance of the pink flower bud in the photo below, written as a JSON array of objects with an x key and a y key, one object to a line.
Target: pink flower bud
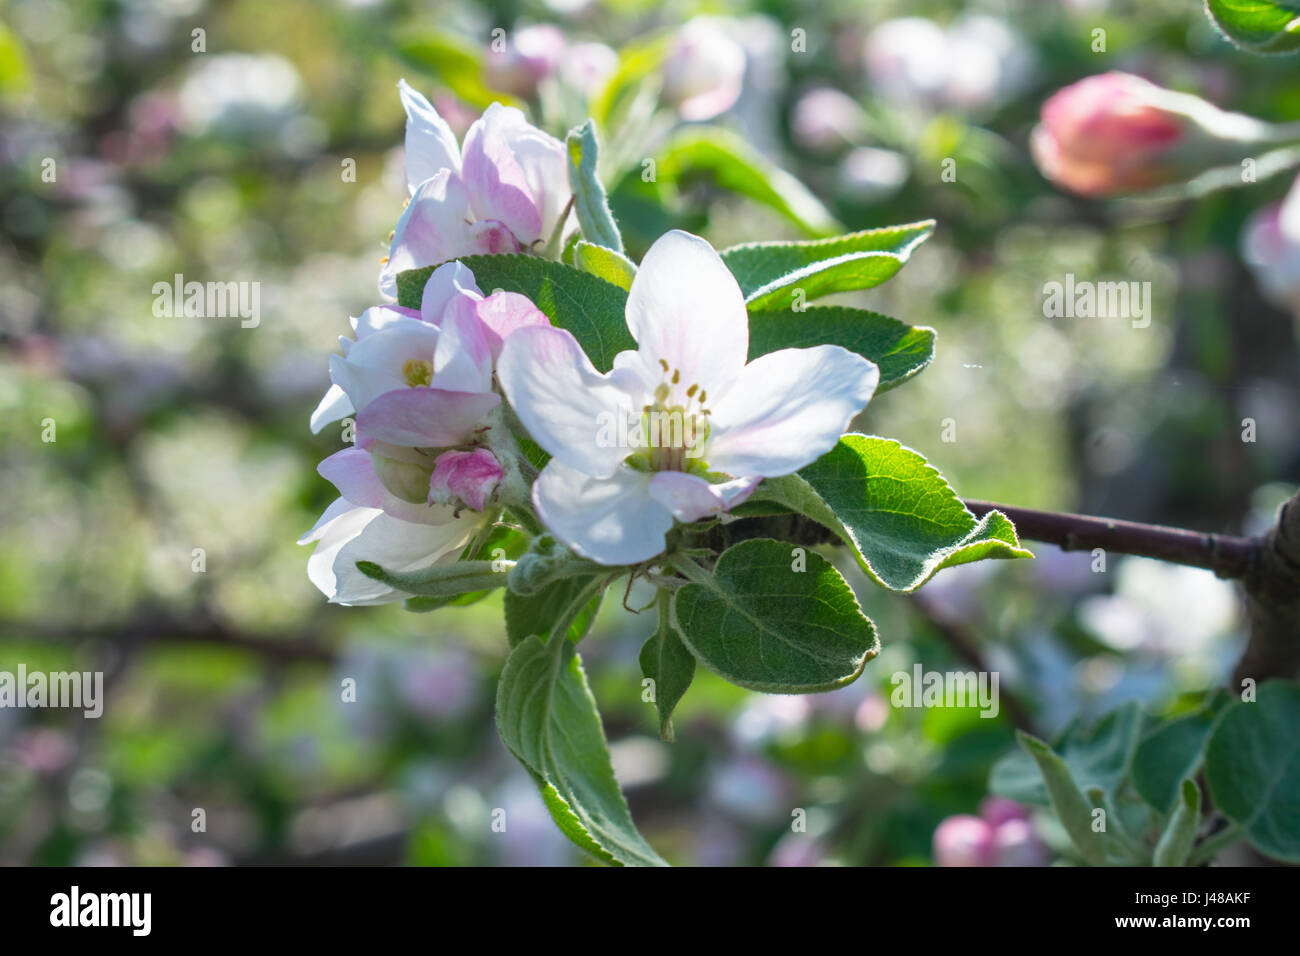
[
  {"x": 826, "y": 119},
  {"x": 531, "y": 55},
  {"x": 587, "y": 66},
  {"x": 1016, "y": 844},
  {"x": 464, "y": 477},
  {"x": 1106, "y": 134},
  {"x": 997, "y": 810},
  {"x": 704, "y": 69},
  {"x": 1271, "y": 247},
  {"x": 1117, "y": 133},
  {"x": 963, "y": 840}
]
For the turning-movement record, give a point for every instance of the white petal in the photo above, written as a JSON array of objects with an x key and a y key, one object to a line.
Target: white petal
[
  {"x": 448, "y": 280},
  {"x": 346, "y": 524},
  {"x": 375, "y": 318},
  {"x": 686, "y": 309},
  {"x": 609, "y": 520},
  {"x": 374, "y": 366},
  {"x": 336, "y": 509},
  {"x": 332, "y": 407},
  {"x": 787, "y": 409},
  {"x": 430, "y": 143},
  {"x": 690, "y": 497},
  {"x": 395, "y": 545},
  {"x": 570, "y": 409}
]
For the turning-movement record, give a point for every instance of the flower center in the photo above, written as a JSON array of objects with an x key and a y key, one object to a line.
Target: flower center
[
  {"x": 674, "y": 432},
  {"x": 417, "y": 372}
]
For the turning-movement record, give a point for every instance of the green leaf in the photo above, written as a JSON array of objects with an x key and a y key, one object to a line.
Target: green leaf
[
  {"x": 590, "y": 204},
  {"x": 771, "y": 273},
  {"x": 1260, "y": 26},
  {"x": 1067, "y": 800},
  {"x": 1175, "y": 844},
  {"x": 1098, "y": 756},
  {"x": 900, "y": 350},
  {"x": 537, "y": 614},
  {"x": 1252, "y": 763},
  {"x": 762, "y": 624},
  {"x": 1173, "y": 752},
  {"x": 547, "y": 718},
  {"x": 896, "y": 512},
  {"x": 503, "y": 542},
  {"x": 615, "y": 268},
  {"x": 736, "y": 166},
  {"x": 669, "y": 663},
  {"x": 439, "y": 580},
  {"x": 454, "y": 62},
  {"x": 591, "y": 308}
]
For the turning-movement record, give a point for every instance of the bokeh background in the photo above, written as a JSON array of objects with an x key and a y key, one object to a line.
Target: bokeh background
[{"x": 175, "y": 434}]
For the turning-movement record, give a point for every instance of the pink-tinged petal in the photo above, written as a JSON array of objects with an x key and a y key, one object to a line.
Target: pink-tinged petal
[
  {"x": 430, "y": 143},
  {"x": 545, "y": 166},
  {"x": 462, "y": 361},
  {"x": 690, "y": 497},
  {"x": 609, "y": 520},
  {"x": 493, "y": 238},
  {"x": 332, "y": 407},
  {"x": 352, "y": 472},
  {"x": 498, "y": 187},
  {"x": 449, "y": 280},
  {"x": 465, "y": 476},
  {"x": 396, "y": 545},
  {"x": 685, "y": 308},
  {"x": 568, "y": 407},
  {"x": 425, "y": 417},
  {"x": 503, "y": 313},
  {"x": 787, "y": 409},
  {"x": 433, "y": 228}
]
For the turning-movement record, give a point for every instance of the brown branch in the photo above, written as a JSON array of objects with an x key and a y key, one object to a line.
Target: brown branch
[
  {"x": 1273, "y": 602},
  {"x": 1228, "y": 556},
  {"x": 1268, "y": 567}
]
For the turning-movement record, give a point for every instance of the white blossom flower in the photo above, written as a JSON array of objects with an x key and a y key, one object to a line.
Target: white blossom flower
[{"x": 705, "y": 426}]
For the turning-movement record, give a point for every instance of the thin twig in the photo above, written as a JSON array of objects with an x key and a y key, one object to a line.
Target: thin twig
[
  {"x": 1228, "y": 556},
  {"x": 967, "y": 647}
]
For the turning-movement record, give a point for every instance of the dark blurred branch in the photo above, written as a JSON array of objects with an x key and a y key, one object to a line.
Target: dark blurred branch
[
  {"x": 955, "y": 632},
  {"x": 1228, "y": 556},
  {"x": 1273, "y": 602},
  {"x": 150, "y": 630}
]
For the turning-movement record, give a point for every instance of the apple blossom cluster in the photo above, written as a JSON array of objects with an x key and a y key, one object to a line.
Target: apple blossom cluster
[{"x": 441, "y": 394}]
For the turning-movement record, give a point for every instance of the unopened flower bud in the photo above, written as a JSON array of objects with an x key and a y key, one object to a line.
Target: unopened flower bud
[
  {"x": 464, "y": 477},
  {"x": 1117, "y": 133},
  {"x": 704, "y": 69},
  {"x": 963, "y": 840},
  {"x": 531, "y": 55}
]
